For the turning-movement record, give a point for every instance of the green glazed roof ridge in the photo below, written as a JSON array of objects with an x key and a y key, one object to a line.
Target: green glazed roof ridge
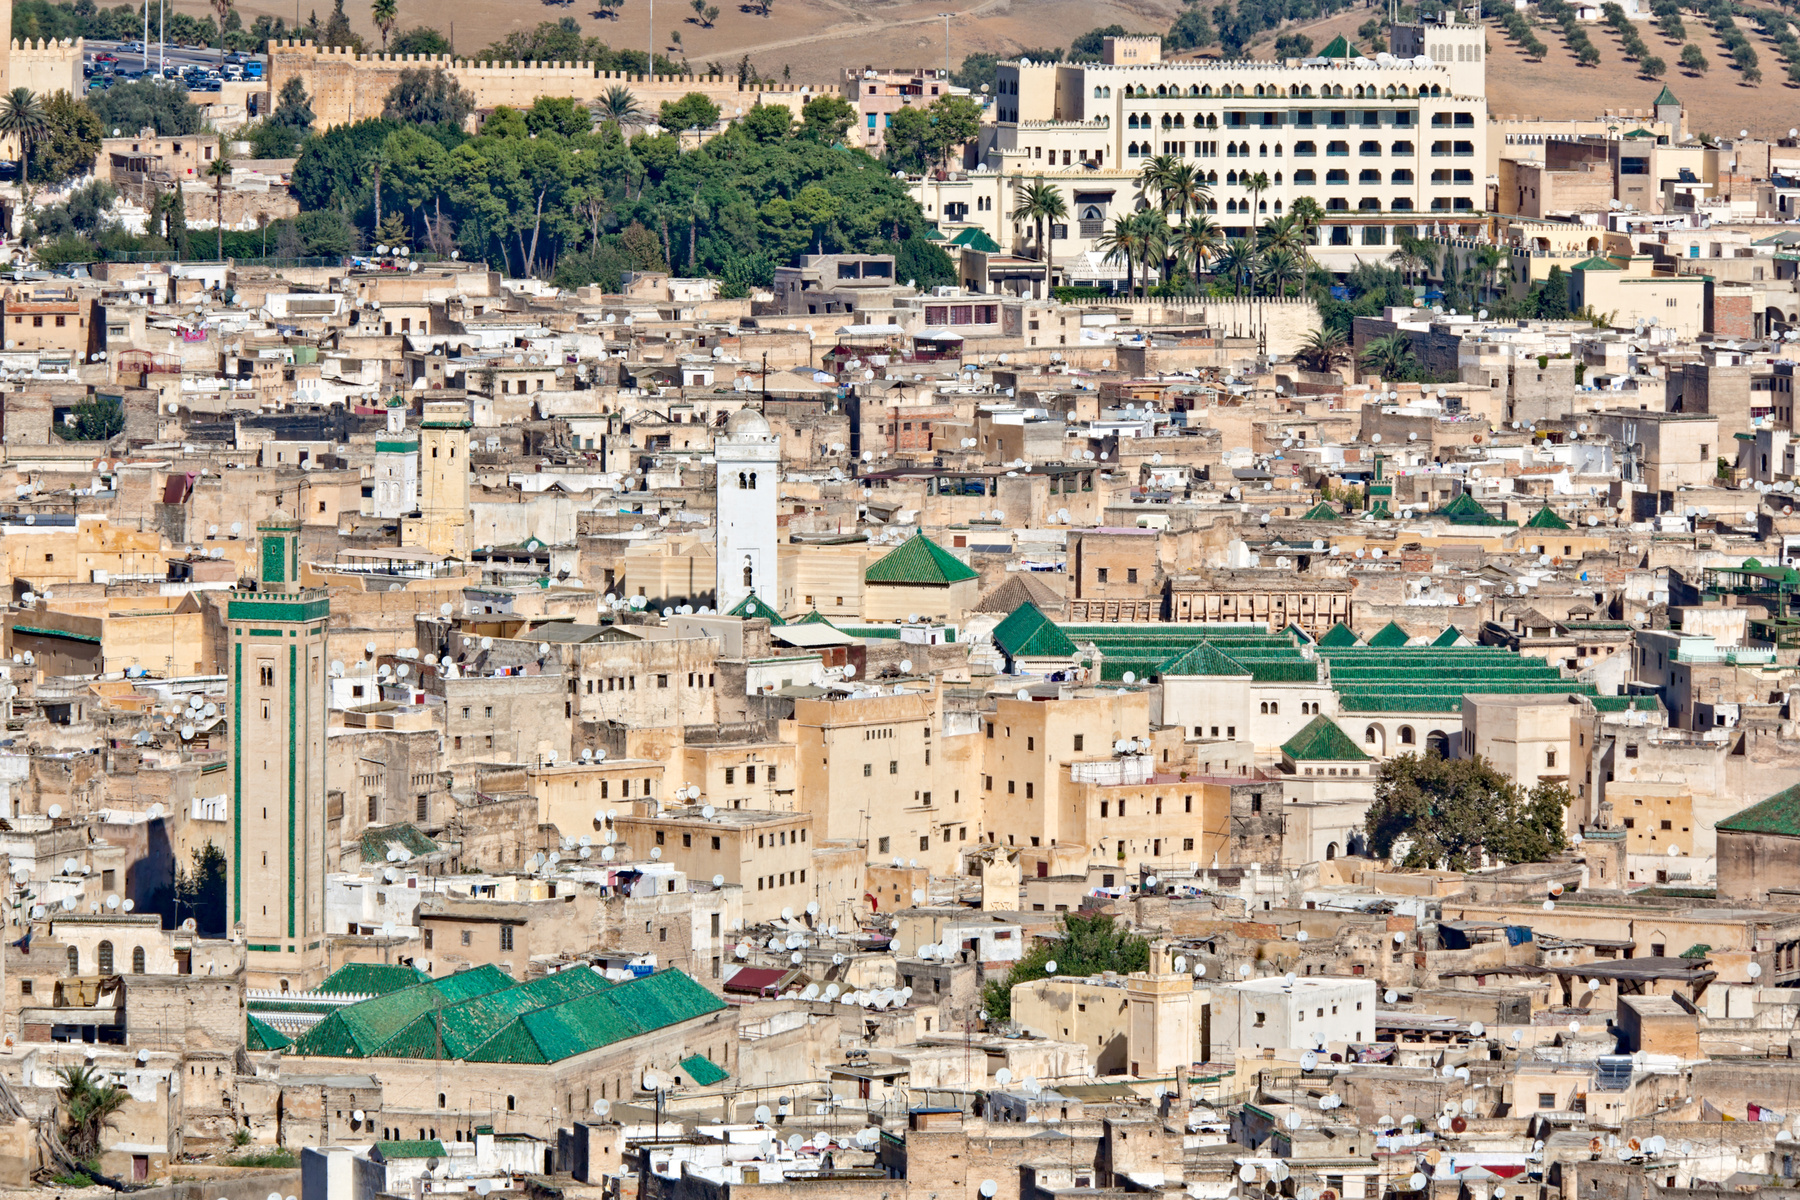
[
  {"x": 1546, "y": 518},
  {"x": 1323, "y": 741},
  {"x": 919, "y": 560},
  {"x": 1322, "y": 511},
  {"x": 1390, "y": 637},
  {"x": 1028, "y": 633},
  {"x": 753, "y": 605},
  {"x": 1204, "y": 659},
  {"x": 1778, "y": 814},
  {"x": 1339, "y": 635}
]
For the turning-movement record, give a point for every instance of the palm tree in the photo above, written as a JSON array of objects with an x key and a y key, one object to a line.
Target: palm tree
[
  {"x": 1257, "y": 185},
  {"x": 22, "y": 116},
  {"x": 223, "y": 9},
  {"x": 220, "y": 171},
  {"x": 1155, "y": 176},
  {"x": 1282, "y": 233},
  {"x": 387, "y": 15},
  {"x": 1196, "y": 243},
  {"x": 618, "y": 105},
  {"x": 1237, "y": 261},
  {"x": 1038, "y": 203},
  {"x": 1133, "y": 241},
  {"x": 1153, "y": 236},
  {"x": 88, "y": 1108},
  {"x": 1278, "y": 268},
  {"x": 1489, "y": 260},
  {"x": 1322, "y": 349},
  {"x": 1390, "y": 357},
  {"x": 1307, "y": 214},
  {"x": 1413, "y": 255}
]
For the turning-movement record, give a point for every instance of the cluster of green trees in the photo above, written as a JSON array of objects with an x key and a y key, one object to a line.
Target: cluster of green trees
[
  {"x": 1460, "y": 814},
  {"x": 1084, "y": 945},
  {"x": 1521, "y": 32},
  {"x": 1631, "y": 42},
  {"x": 1779, "y": 27},
  {"x": 563, "y": 190},
  {"x": 1668, "y": 20},
  {"x": 1737, "y": 43},
  {"x": 918, "y": 138},
  {"x": 1574, "y": 35}
]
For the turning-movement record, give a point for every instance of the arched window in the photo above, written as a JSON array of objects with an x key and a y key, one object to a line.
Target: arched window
[
  {"x": 1098, "y": 92},
  {"x": 743, "y": 482},
  {"x": 1406, "y": 735},
  {"x": 105, "y": 958},
  {"x": 1193, "y": 89},
  {"x": 74, "y": 961},
  {"x": 1275, "y": 706},
  {"x": 1331, "y": 851},
  {"x": 749, "y": 574},
  {"x": 137, "y": 960},
  {"x": 753, "y": 481},
  {"x": 1265, "y": 708}
]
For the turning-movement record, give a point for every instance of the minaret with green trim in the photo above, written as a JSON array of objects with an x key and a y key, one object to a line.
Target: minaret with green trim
[{"x": 277, "y": 653}]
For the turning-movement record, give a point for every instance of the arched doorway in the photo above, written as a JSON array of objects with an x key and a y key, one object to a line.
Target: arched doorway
[{"x": 1438, "y": 742}]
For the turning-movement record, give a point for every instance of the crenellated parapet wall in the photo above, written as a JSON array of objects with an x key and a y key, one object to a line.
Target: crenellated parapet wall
[
  {"x": 45, "y": 65},
  {"x": 346, "y": 86}
]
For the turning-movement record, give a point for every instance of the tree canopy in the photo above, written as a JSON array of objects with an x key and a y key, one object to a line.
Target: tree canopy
[
  {"x": 1085, "y": 945},
  {"x": 1456, "y": 813}
]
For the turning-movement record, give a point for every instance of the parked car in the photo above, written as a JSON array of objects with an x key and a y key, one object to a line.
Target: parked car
[
  {"x": 253, "y": 69},
  {"x": 233, "y": 71}
]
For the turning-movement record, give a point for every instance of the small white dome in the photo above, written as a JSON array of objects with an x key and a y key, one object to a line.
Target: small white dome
[{"x": 747, "y": 423}]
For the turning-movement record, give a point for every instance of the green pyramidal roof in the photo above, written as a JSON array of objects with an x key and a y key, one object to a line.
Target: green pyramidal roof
[
  {"x": 815, "y": 617},
  {"x": 1596, "y": 263},
  {"x": 1448, "y": 638},
  {"x": 975, "y": 239},
  {"x": 1340, "y": 47},
  {"x": 260, "y": 1035},
  {"x": 702, "y": 1071},
  {"x": 1204, "y": 659},
  {"x": 1779, "y": 814},
  {"x": 1466, "y": 510},
  {"x": 1390, "y": 637},
  {"x": 370, "y": 979},
  {"x": 1323, "y": 741},
  {"x": 1339, "y": 635},
  {"x": 1546, "y": 518},
  {"x": 919, "y": 560},
  {"x": 1322, "y": 511},
  {"x": 1028, "y": 633},
  {"x": 1665, "y": 97},
  {"x": 752, "y": 606}
]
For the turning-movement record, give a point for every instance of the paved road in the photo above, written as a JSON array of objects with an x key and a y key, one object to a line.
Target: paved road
[{"x": 170, "y": 56}]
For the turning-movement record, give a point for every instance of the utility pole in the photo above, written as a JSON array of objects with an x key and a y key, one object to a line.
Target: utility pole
[
  {"x": 650, "y": 63},
  {"x": 946, "y": 17}
]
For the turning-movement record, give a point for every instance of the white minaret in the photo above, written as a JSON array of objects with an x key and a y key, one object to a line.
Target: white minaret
[{"x": 748, "y": 455}]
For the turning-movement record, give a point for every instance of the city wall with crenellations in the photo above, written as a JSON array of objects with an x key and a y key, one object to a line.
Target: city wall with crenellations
[{"x": 345, "y": 86}]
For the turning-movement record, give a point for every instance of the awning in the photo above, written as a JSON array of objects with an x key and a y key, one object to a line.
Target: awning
[{"x": 938, "y": 335}]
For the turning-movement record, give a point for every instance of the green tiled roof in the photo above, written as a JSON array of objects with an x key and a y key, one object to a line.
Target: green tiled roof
[
  {"x": 921, "y": 561},
  {"x": 1546, "y": 518},
  {"x": 1340, "y": 47},
  {"x": 483, "y": 1016},
  {"x": 389, "y": 1151},
  {"x": 1322, "y": 511},
  {"x": 815, "y": 617},
  {"x": 1389, "y": 637},
  {"x": 1596, "y": 263},
  {"x": 1028, "y": 633},
  {"x": 369, "y": 979},
  {"x": 1204, "y": 659},
  {"x": 1665, "y": 97},
  {"x": 260, "y": 1035},
  {"x": 1612, "y": 704},
  {"x": 1337, "y": 636},
  {"x": 1464, "y": 510},
  {"x": 1428, "y": 679},
  {"x": 702, "y": 1071},
  {"x": 377, "y": 838},
  {"x": 1447, "y": 639},
  {"x": 1779, "y": 814},
  {"x": 975, "y": 239},
  {"x": 753, "y": 606},
  {"x": 1322, "y": 741}
]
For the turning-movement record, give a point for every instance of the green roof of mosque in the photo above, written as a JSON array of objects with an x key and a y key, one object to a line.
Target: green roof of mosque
[
  {"x": 1204, "y": 659},
  {"x": 1450, "y": 637},
  {"x": 1779, "y": 814},
  {"x": 975, "y": 239},
  {"x": 369, "y": 979},
  {"x": 1465, "y": 510},
  {"x": 484, "y": 1016},
  {"x": 1640, "y": 133},
  {"x": 1665, "y": 97},
  {"x": 1596, "y": 263},
  {"x": 1390, "y": 637},
  {"x": 1028, "y": 633},
  {"x": 1322, "y": 511},
  {"x": 378, "y": 839},
  {"x": 920, "y": 561},
  {"x": 260, "y": 1035},
  {"x": 1340, "y": 47},
  {"x": 815, "y": 617},
  {"x": 1546, "y": 518},
  {"x": 421, "y": 1148},
  {"x": 751, "y": 606},
  {"x": 702, "y": 1071},
  {"x": 1338, "y": 635},
  {"x": 1322, "y": 741}
]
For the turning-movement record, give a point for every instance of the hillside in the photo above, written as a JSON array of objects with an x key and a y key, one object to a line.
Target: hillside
[{"x": 814, "y": 38}]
